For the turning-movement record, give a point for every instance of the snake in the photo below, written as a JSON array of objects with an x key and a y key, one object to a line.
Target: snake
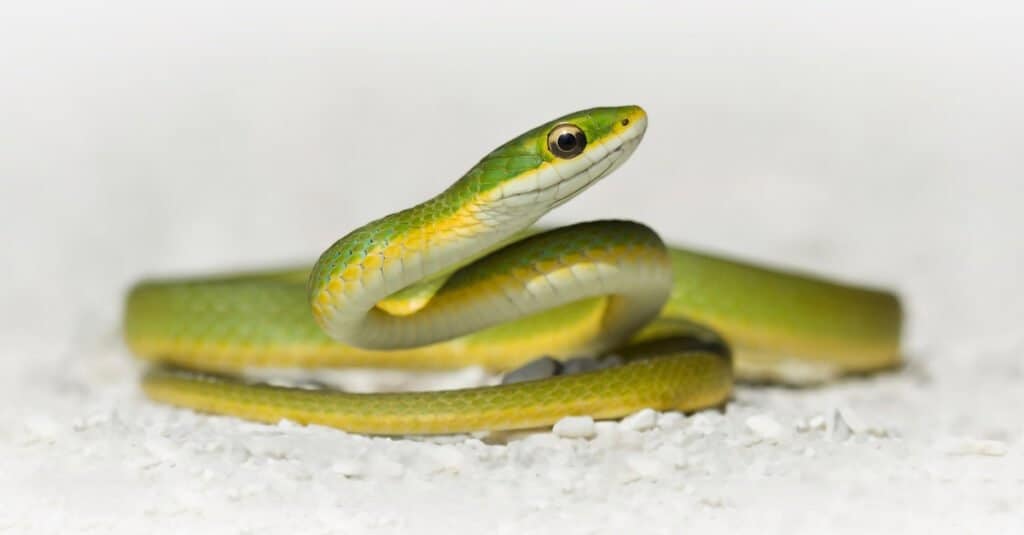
[{"x": 467, "y": 279}]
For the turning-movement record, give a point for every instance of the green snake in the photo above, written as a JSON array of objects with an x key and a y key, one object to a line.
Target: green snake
[{"x": 463, "y": 279}]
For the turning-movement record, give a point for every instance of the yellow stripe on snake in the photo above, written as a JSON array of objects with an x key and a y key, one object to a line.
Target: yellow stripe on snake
[{"x": 462, "y": 280}]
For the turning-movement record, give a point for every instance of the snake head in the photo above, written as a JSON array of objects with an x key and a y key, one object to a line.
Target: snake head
[{"x": 551, "y": 163}]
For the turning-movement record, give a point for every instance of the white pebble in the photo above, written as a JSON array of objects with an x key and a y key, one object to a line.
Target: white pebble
[
  {"x": 448, "y": 458},
  {"x": 607, "y": 432},
  {"x": 643, "y": 420},
  {"x": 852, "y": 419},
  {"x": 606, "y": 427},
  {"x": 765, "y": 427},
  {"x": 285, "y": 423},
  {"x": 975, "y": 446},
  {"x": 574, "y": 427},
  {"x": 670, "y": 420},
  {"x": 702, "y": 424},
  {"x": 844, "y": 424}
]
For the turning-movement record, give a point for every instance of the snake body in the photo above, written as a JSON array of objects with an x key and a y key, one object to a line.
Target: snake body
[{"x": 462, "y": 280}]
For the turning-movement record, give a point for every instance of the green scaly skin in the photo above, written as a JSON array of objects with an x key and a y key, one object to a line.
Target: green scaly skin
[{"x": 460, "y": 303}]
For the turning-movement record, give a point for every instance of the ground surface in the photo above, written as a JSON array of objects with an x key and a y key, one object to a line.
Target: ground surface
[{"x": 877, "y": 149}]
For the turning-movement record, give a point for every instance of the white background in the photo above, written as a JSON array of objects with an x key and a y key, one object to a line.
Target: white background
[{"x": 877, "y": 142}]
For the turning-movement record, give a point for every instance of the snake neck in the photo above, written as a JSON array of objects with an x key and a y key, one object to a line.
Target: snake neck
[{"x": 390, "y": 254}]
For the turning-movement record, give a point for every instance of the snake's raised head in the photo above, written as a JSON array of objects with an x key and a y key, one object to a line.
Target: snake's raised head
[
  {"x": 550, "y": 164},
  {"x": 506, "y": 192}
]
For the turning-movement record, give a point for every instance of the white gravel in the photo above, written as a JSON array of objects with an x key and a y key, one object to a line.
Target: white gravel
[
  {"x": 574, "y": 427},
  {"x": 765, "y": 427},
  {"x": 873, "y": 143}
]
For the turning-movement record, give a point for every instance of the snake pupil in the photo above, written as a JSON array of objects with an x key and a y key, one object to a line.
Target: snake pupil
[{"x": 566, "y": 142}]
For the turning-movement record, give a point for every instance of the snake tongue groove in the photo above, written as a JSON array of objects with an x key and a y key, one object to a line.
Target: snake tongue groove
[{"x": 461, "y": 279}]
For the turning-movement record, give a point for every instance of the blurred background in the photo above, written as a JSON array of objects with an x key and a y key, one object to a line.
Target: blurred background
[
  {"x": 873, "y": 142},
  {"x": 876, "y": 142}
]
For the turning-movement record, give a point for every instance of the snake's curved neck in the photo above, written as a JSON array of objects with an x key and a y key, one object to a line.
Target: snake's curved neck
[
  {"x": 392, "y": 253},
  {"x": 503, "y": 194}
]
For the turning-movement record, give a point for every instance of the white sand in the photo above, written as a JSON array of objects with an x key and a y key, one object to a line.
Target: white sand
[{"x": 870, "y": 143}]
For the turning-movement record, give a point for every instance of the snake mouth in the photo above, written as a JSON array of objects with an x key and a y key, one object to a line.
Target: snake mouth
[
  {"x": 618, "y": 149},
  {"x": 556, "y": 183}
]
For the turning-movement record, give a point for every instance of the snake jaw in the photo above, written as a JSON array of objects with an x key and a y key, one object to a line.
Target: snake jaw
[
  {"x": 599, "y": 167},
  {"x": 556, "y": 182}
]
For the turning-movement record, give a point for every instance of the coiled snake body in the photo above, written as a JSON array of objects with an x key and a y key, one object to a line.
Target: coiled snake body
[{"x": 461, "y": 280}]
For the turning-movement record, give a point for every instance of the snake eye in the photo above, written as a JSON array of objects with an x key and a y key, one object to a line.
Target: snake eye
[{"x": 566, "y": 141}]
